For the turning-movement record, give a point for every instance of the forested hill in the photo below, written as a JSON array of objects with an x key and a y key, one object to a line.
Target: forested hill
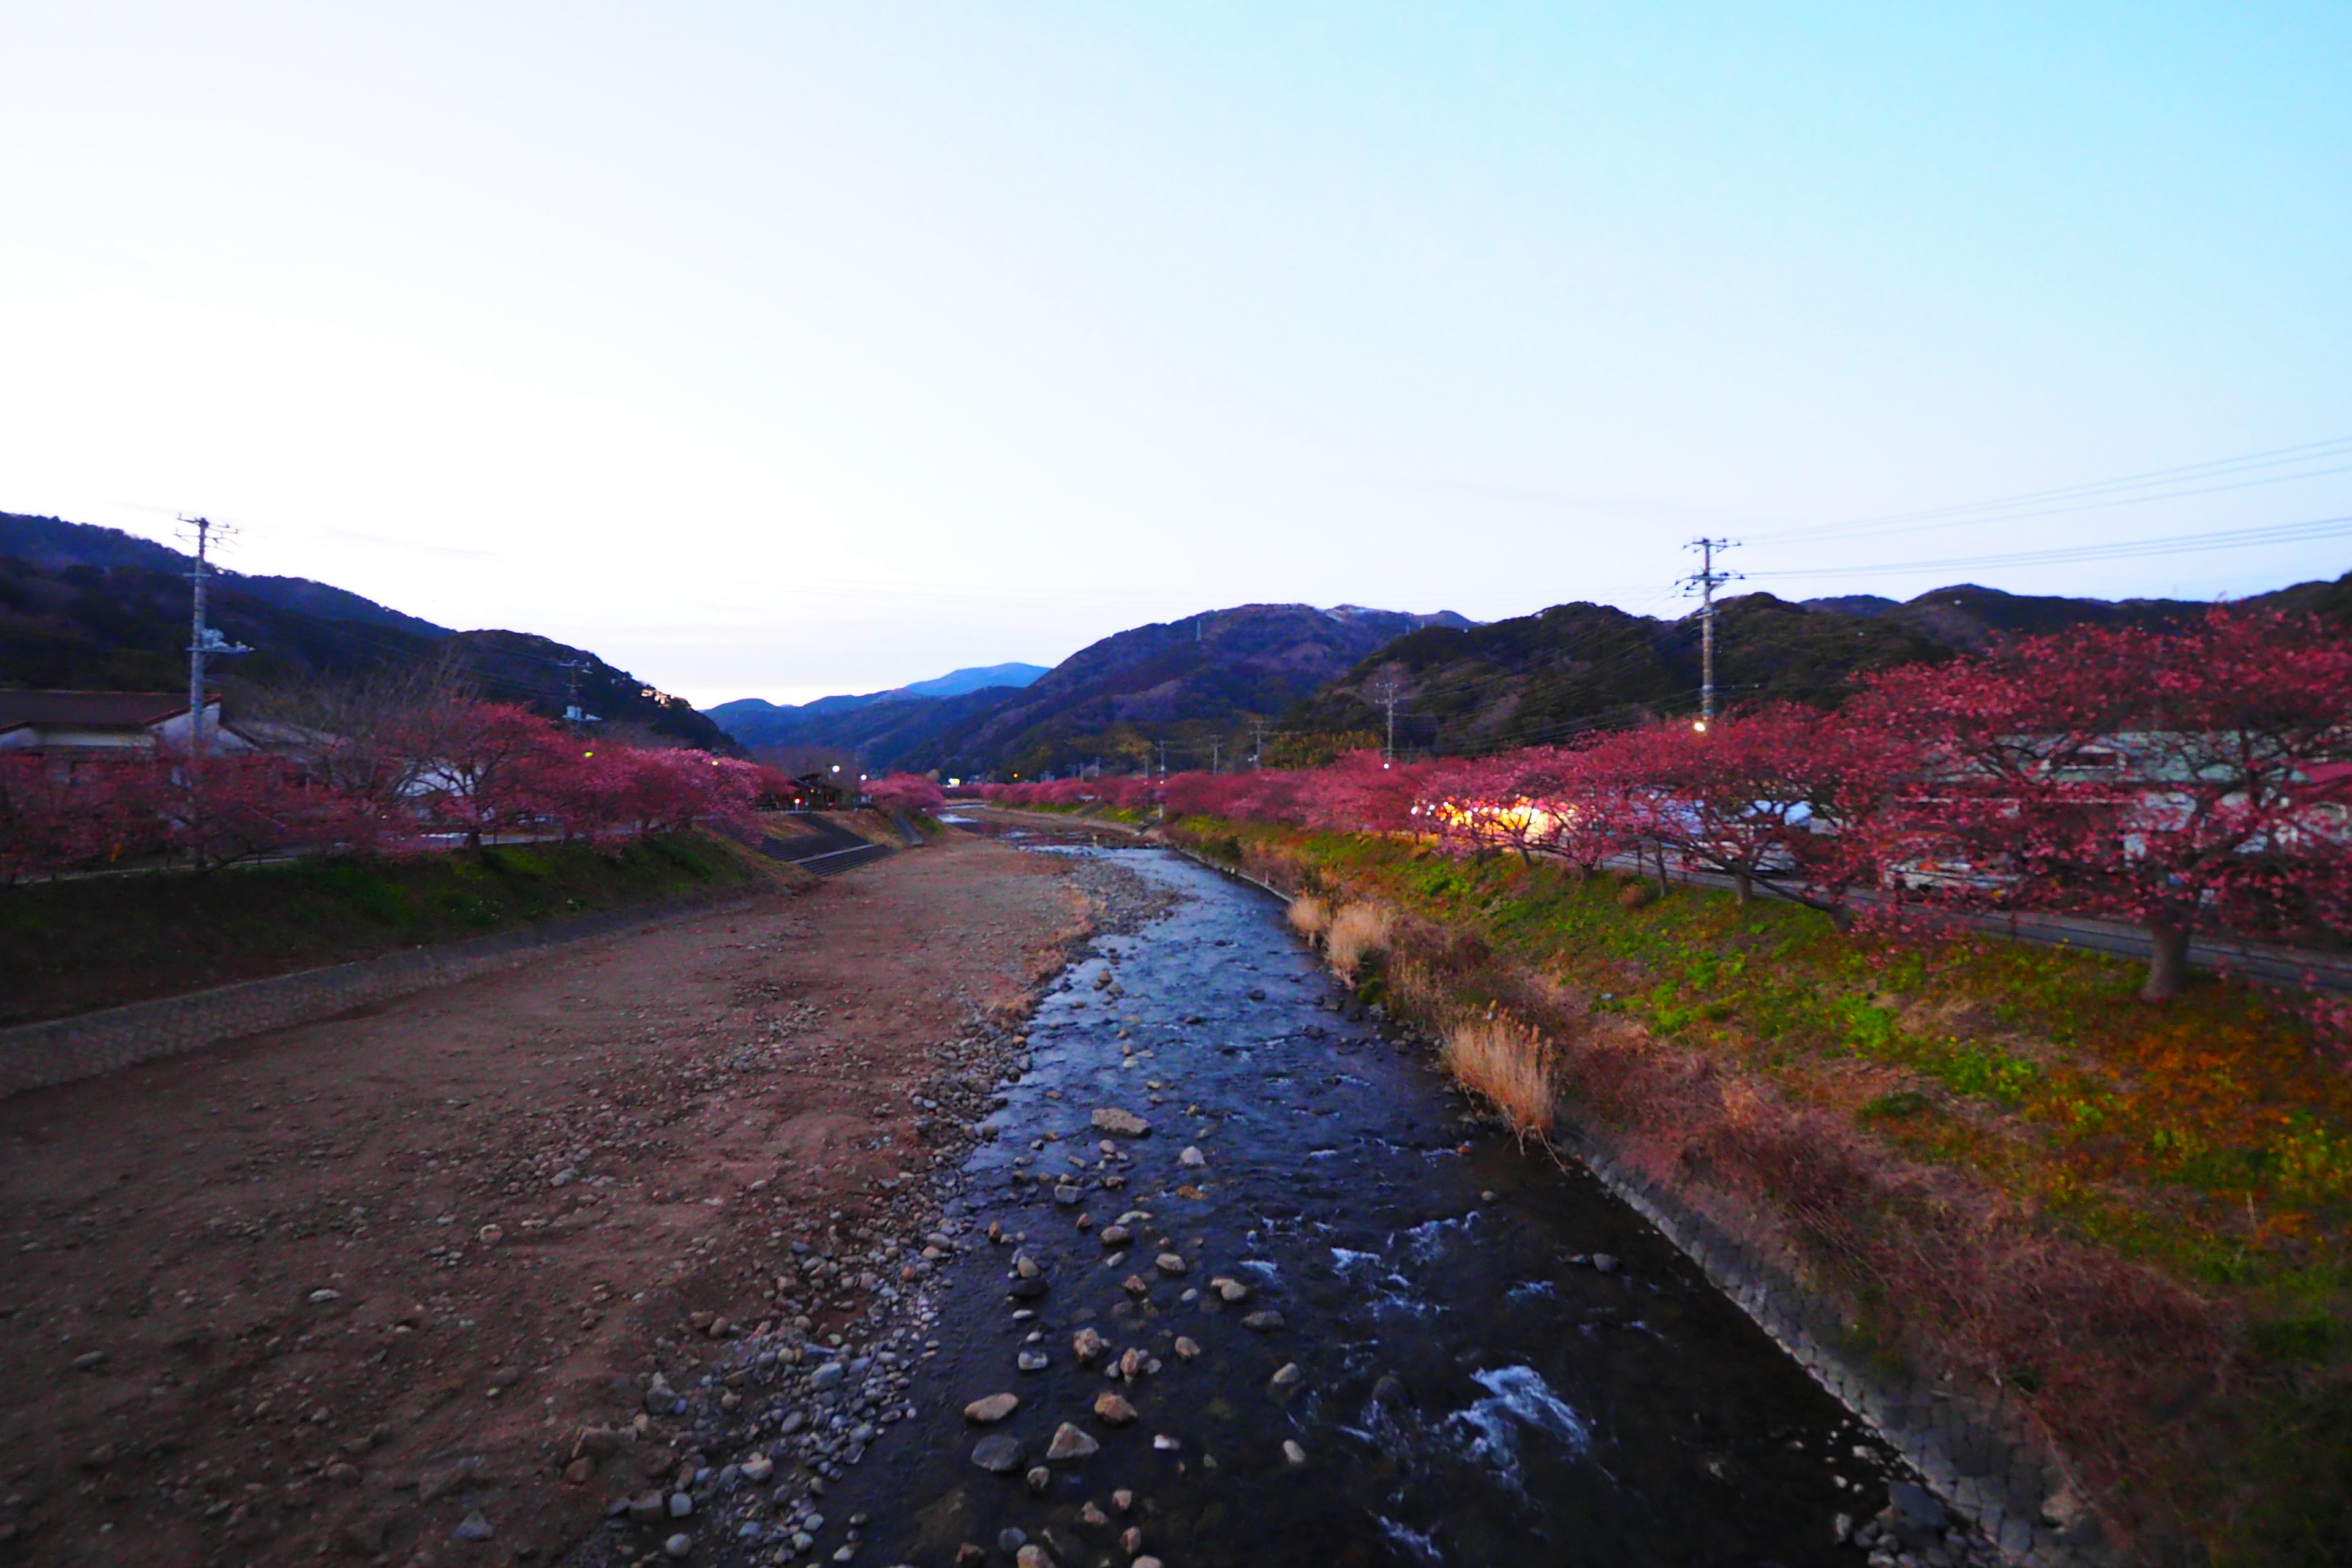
[
  {"x": 97, "y": 609},
  {"x": 1544, "y": 677}
]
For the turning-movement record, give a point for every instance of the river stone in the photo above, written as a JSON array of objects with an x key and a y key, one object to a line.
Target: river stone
[
  {"x": 1263, "y": 1322},
  {"x": 1086, "y": 1344},
  {"x": 1192, "y": 1159},
  {"x": 1293, "y": 1454},
  {"x": 1134, "y": 1216},
  {"x": 1228, "y": 1289},
  {"x": 1038, "y": 1479},
  {"x": 1033, "y": 1556},
  {"x": 1027, "y": 1290},
  {"x": 1126, "y": 1123},
  {"x": 758, "y": 1468},
  {"x": 473, "y": 1526},
  {"x": 1032, "y": 1360},
  {"x": 995, "y": 1407},
  {"x": 1186, "y": 1347},
  {"x": 1071, "y": 1443},
  {"x": 1025, "y": 1266},
  {"x": 1134, "y": 1285},
  {"x": 1067, "y": 1196},
  {"x": 1286, "y": 1381},
  {"x": 1605, "y": 1262},
  {"x": 827, "y": 1376},
  {"x": 999, "y": 1453},
  {"x": 1168, "y": 1263},
  {"x": 1113, "y": 1410},
  {"x": 1115, "y": 1235},
  {"x": 677, "y": 1546}
]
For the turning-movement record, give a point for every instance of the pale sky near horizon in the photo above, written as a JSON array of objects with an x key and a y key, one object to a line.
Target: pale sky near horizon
[{"x": 787, "y": 348}]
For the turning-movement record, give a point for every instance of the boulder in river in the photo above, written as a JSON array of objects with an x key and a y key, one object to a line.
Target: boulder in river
[
  {"x": 1126, "y": 1123},
  {"x": 999, "y": 1453},
  {"x": 1071, "y": 1443}
]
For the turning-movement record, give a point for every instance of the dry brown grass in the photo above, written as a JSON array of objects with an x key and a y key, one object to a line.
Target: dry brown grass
[
  {"x": 1357, "y": 931},
  {"x": 1311, "y": 917},
  {"x": 1507, "y": 1064}
]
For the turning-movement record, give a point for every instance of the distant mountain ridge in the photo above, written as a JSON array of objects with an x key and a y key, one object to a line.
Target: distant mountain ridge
[
  {"x": 97, "y": 609},
  {"x": 1193, "y": 684},
  {"x": 757, "y": 723},
  {"x": 1546, "y": 678}
]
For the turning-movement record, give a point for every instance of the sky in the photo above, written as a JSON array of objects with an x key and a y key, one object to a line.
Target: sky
[{"x": 779, "y": 349}]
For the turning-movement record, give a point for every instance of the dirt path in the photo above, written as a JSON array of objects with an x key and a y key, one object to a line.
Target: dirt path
[{"x": 332, "y": 1292}]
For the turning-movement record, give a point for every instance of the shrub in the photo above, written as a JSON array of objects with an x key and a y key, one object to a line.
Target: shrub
[
  {"x": 1359, "y": 932},
  {"x": 1506, "y": 1065},
  {"x": 1311, "y": 917}
]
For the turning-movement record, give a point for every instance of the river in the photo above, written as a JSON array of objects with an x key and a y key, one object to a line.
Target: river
[{"x": 1474, "y": 1355}]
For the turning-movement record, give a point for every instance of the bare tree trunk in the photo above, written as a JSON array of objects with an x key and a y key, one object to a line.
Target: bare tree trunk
[
  {"x": 1743, "y": 887},
  {"x": 2168, "y": 960}
]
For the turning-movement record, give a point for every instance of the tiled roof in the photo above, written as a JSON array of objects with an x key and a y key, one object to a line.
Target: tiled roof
[{"x": 90, "y": 710}]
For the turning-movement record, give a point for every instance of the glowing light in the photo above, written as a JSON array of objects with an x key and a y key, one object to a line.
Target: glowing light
[{"x": 1699, "y": 725}]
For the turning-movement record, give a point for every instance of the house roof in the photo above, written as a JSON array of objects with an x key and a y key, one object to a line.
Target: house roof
[{"x": 90, "y": 710}]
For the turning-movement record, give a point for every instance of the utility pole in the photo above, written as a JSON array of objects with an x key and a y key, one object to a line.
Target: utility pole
[
  {"x": 203, "y": 641},
  {"x": 1216, "y": 745},
  {"x": 1164, "y": 757},
  {"x": 1387, "y": 691},
  {"x": 1705, "y": 581},
  {"x": 1257, "y": 745}
]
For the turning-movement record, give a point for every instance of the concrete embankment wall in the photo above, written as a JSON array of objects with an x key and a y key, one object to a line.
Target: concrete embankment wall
[
  {"x": 63, "y": 1050},
  {"x": 1980, "y": 1454}
]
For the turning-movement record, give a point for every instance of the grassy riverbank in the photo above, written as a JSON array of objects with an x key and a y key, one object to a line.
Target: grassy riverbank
[
  {"x": 99, "y": 941},
  {"x": 1999, "y": 1164}
]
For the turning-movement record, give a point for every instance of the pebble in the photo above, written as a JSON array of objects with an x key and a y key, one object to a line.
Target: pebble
[
  {"x": 1166, "y": 1444},
  {"x": 1293, "y": 1454},
  {"x": 1033, "y": 1556},
  {"x": 1113, "y": 1409},
  {"x": 1086, "y": 1344},
  {"x": 1126, "y": 1123},
  {"x": 1605, "y": 1262},
  {"x": 1264, "y": 1321},
  {"x": 758, "y": 1468},
  {"x": 677, "y": 1546},
  {"x": 1032, "y": 1360},
  {"x": 1186, "y": 1347},
  {"x": 473, "y": 1526},
  {"x": 1122, "y": 1499},
  {"x": 1092, "y": 1514},
  {"x": 995, "y": 1407},
  {"x": 1038, "y": 1479},
  {"x": 1229, "y": 1290},
  {"x": 682, "y": 1504},
  {"x": 1071, "y": 1443},
  {"x": 321, "y": 1298},
  {"x": 1134, "y": 1286},
  {"x": 1285, "y": 1380},
  {"x": 1168, "y": 1263},
  {"x": 1115, "y": 1236},
  {"x": 1192, "y": 1159},
  {"x": 827, "y": 1376},
  {"x": 999, "y": 1453}
]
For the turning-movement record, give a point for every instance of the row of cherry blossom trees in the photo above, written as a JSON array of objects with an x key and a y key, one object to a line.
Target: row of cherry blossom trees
[
  {"x": 2174, "y": 780},
  {"x": 439, "y": 773}
]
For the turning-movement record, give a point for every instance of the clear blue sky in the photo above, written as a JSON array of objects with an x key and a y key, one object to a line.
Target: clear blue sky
[{"x": 779, "y": 349}]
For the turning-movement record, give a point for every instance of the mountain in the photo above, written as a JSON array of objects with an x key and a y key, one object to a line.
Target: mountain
[
  {"x": 978, "y": 677},
  {"x": 756, "y": 723},
  {"x": 1545, "y": 678},
  {"x": 99, "y": 609},
  {"x": 1200, "y": 684}
]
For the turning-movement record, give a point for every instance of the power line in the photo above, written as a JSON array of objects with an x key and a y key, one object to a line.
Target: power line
[{"x": 2173, "y": 545}]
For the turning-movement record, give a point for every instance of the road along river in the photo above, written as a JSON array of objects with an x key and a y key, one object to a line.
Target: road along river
[{"x": 1319, "y": 1312}]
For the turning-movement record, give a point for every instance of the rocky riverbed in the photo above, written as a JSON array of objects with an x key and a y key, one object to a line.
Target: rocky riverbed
[{"x": 1228, "y": 1274}]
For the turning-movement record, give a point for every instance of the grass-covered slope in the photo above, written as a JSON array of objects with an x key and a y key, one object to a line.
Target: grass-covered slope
[
  {"x": 99, "y": 942},
  {"x": 2137, "y": 1219}
]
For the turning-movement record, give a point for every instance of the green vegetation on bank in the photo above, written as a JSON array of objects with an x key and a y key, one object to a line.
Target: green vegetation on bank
[
  {"x": 99, "y": 942},
  {"x": 1883, "y": 1100}
]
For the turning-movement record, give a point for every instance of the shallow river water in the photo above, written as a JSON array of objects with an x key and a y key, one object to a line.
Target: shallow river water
[{"x": 1469, "y": 1387}]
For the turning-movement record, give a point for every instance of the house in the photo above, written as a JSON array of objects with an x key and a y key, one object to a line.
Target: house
[{"x": 75, "y": 726}]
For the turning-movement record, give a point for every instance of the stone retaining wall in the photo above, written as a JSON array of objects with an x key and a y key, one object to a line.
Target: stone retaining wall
[{"x": 62, "y": 1050}]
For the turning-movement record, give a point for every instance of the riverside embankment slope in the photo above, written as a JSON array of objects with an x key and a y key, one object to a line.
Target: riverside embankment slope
[{"x": 1976, "y": 1181}]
